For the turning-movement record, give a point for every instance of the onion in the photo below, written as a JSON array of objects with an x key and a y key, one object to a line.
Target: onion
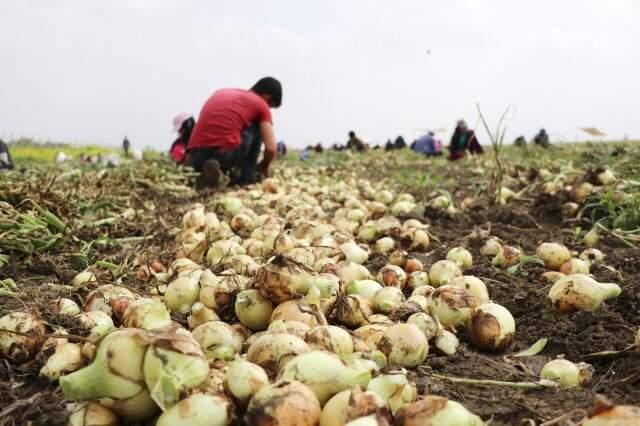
[
  {"x": 349, "y": 271},
  {"x": 429, "y": 325},
  {"x": 491, "y": 247},
  {"x": 392, "y": 275},
  {"x": 451, "y": 305},
  {"x": 581, "y": 292},
  {"x": 419, "y": 301},
  {"x": 200, "y": 313},
  {"x": 474, "y": 286},
  {"x": 218, "y": 340},
  {"x": 253, "y": 310},
  {"x": 617, "y": 415},
  {"x": 211, "y": 222},
  {"x": 181, "y": 294},
  {"x": 243, "y": 264},
  {"x": 592, "y": 255},
  {"x": 84, "y": 278},
  {"x": 566, "y": 373},
  {"x": 65, "y": 306},
  {"x": 575, "y": 266},
  {"x": 402, "y": 208},
  {"x": 404, "y": 345},
  {"x": 507, "y": 256},
  {"x": 417, "y": 279},
  {"x": 569, "y": 210},
  {"x": 173, "y": 364},
  {"x": 91, "y": 413},
  {"x": 295, "y": 328},
  {"x": 460, "y": 256},
  {"x": 330, "y": 338},
  {"x": 385, "y": 245},
  {"x": 284, "y": 403},
  {"x": 18, "y": 348},
  {"x": 398, "y": 258},
  {"x": 446, "y": 342},
  {"x": 591, "y": 238},
  {"x": 552, "y": 276},
  {"x": 222, "y": 250},
  {"x": 553, "y": 255},
  {"x": 244, "y": 379},
  {"x": 147, "y": 314},
  {"x": 581, "y": 191},
  {"x": 394, "y": 389},
  {"x": 352, "y": 404},
  {"x": 217, "y": 292},
  {"x": 442, "y": 272},
  {"x": 298, "y": 310},
  {"x": 183, "y": 266},
  {"x": 241, "y": 222},
  {"x": 413, "y": 265},
  {"x": 67, "y": 358},
  {"x": 424, "y": 290},
  {"x": 354, "y": 253},
  {"x": 230, "y": 205},
  {"x": 387, "y": 299},
  {"x": 254, "y": 248},
  {"x": 198, "y": 410},
  {"x": 272, "y": 351},
  {"x": 110, "y": 299},
  {"x": 194, "y": 218},
  {"x": 364, "y": 288},
  {"x": 279, "y": 278},
  {"x": 352, "y": 310},
  {"x": 116, "y": 372},
  {"x": 384, "y": 197},
  {"x": 371, "y": 334},
  {"x": 437, "y": 411},
  {"x": 491, "y": 327},
  {"x": 419, "y": 238},
  {"x": 324, "y": 373}
]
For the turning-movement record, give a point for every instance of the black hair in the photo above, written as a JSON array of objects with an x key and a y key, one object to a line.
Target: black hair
[
  {"x": 352, "y": 134},
  {"x": 185, "y": 130},
  {"x": 269, "y": 86}
]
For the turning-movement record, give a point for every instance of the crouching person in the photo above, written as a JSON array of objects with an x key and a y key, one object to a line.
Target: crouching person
[{"x": 229, "y": 133}]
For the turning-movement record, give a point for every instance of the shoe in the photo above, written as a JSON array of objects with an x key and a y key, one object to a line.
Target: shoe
[{"x": 210, "y": 175}]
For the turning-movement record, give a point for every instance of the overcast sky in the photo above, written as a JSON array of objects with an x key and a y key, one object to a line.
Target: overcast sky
[{"x": 93, "y": 71}]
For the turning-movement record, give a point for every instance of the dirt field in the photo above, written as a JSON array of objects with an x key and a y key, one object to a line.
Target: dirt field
[{"x": 534, "y": 218}]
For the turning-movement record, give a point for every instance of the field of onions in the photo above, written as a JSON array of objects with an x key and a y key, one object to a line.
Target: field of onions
[{"x": 366, "y": 289}]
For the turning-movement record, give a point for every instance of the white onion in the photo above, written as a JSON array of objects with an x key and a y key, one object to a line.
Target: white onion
[
  {"x": 491, "y": 327},
  {"x": 437, "y": 411},
  {"x": 385, "y": 245},
  {"x": 19, "y": 348},
  {"x": 581, "y": 292},
  {"x": 218, "y": 340},
  {"x": 446, "y": 342},
  {"x": 253, "y": 310},
  {"x": 364, "y": 288},
  {"x": 330, "y": 338},
  {"x": 474, "y": 286},
  {"x": 352, "y": 404},
  {"x": 181, "y": 294},
  {"x": 67, "y": 358},
  {"x": 429, "y": 325},
  {"x": 387, "y": 299},
  {"x": 198, "y": 410},
  {"x": 506, "y": 257},
  {"x": 575, "y": 266},
  {"x": 394, "y": 389},
  {"x": 451, "y": 305},
  {"x": 244, "y": 379},
  {"x": 404, "y": 345},
  {"x": 354, "y": 253},
  {"x": 417, "y": 279},
  {"x": 491, "y": 247},
  {"x": 392, "y": 275},
  {"x": 442, "y": 272},
  {"x": 461, "y": 256},
  {"x": 566, "y": 373},
  {"x": 272, "y": 351},
  {"x": 553, "y": 255},
  {"x": 284, "y": 403}
]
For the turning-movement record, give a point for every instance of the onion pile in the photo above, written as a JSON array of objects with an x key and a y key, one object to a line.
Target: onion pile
[{"x": 284, "y": 319}]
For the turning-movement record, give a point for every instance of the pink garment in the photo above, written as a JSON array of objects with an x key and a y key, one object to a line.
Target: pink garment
[{"x": 178, "y": 152}]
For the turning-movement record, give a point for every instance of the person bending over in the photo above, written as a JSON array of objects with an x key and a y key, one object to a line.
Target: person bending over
[
  {"x": 229, "y": 133},
  {"x": 462, "y": 140}
]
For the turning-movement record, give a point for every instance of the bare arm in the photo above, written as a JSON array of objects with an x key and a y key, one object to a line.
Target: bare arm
[{"x": 270, "y": 146}]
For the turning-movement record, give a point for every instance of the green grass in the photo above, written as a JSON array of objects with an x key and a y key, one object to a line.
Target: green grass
[{"x": 25, "y": 152}]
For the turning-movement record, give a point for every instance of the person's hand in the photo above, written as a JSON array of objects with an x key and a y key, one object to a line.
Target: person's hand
[{"x": 264, "y": 170}]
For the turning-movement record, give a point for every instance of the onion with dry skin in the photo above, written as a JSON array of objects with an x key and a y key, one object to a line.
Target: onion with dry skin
[
  {"x": 392, "y": 275},
  {"x": 198, "y": 410},
  {"x": 506, "y": 257},
  {"x": 284, "y": 403},
  {"x": 460, "y": 256},
  {"x": 553, "y": 255},
  {"x": 567, "y": 373},
  {"x": 352, "y": 404},
  {"x": 330, "y": 338},
  {"x": 395, "y": 389},
  {"x": 442, "y": 272},
  {"x": 491, "y": 327},
  {"x": 474, "y": 286},
  {"x": 218, "y": 340},
  {"x": 404, "y": 345},
  {"x": 272, "y": 351},
  {"x": 298, "y": 310},
  {"x": 451, "y": 305},
  {"x": 18, "y": 348},
  {"x": 91, "y": 413},
  {"x": 253, "y": 309},
  {"x": 244, "y": 379},
  {"x": 435, "y": 410},
  {"x": 581, "y": 292},
  {"x": 353, "y": 310}
]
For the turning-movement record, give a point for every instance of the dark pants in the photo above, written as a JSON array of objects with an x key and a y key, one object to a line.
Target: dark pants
[{"x": 241, "y": 163}]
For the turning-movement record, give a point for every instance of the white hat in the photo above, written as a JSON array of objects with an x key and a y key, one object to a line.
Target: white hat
[{"x": 179, "y": 119}]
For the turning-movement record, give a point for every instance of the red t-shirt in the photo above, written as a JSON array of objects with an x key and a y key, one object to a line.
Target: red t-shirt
[{"x": 223, "y": 117}]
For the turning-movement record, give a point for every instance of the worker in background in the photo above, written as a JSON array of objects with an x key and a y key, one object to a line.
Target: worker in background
[
  {"x": 281, "y": 148},
  {"x": 399, "y": 143},
  {"x": 428, "y": 145},
  {"x": 355, "y": 143},
  {"x": 462, "y": 140},
  {"x": 125, "y": 146},
  {"x": 183, "y": 125},
  {"x": 231, "y": 128},
  {"x": 542, "y": 139},
  {"x": 6, "y": 163}
]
